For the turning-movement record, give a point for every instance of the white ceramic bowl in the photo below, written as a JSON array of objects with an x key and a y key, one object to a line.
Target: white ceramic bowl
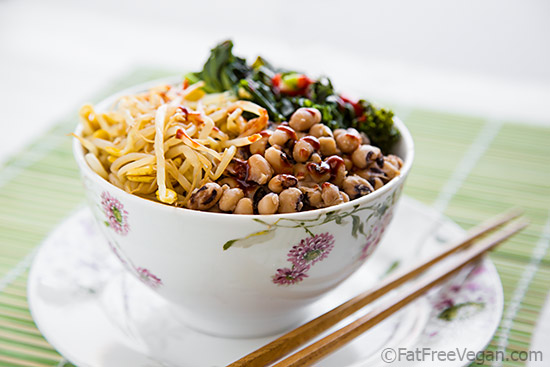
[{"x": 241, "y": 275}]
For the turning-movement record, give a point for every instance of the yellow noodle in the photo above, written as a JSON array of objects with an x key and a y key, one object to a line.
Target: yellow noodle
[
  {"x": 140, "y": 163},
  {"x": 231, "y": 120},
  {"x": 127, "y": 158},
  {"x": 96, "y": 165},
  {"x": 226, "y": 159},
  {"x": 86, "y": 144},
  {"x": 163, "y": 193},
  {"x": 146, "y": 145},
  {"x": 140, "y": 178},
  {"x": 173, "y": 171},
  {"x": 240, "y": 142}
]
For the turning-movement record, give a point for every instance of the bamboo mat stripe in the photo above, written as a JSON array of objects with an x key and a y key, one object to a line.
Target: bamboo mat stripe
[
  {"x": 521, "y": 289},
  {"x": 467, "y": 167}
]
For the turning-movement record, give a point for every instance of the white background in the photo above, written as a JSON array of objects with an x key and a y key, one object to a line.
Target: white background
[
  {"x": 484, "y": 57},
  {"x": 489, "y": 58}
]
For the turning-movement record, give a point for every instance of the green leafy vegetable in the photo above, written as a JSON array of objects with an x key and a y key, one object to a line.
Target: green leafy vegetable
[
  {"x": 281, "y": 92},
  {"x": 222, "y": 71}
]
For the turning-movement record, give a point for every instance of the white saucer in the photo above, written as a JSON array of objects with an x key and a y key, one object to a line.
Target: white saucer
[{"x": 97, "y": 315}]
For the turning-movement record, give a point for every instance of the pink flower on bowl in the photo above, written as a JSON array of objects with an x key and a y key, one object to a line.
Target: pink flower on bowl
[
  {"x": 303, "y": 256},
  {"x": 288, "y": 276},
  {"x": 117, "y": 217},
  {"x": 311, "y": 250}
]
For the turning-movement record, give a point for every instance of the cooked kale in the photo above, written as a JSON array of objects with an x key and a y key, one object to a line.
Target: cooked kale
[
  {"x": 281, "y": 92},
  {"x": 222, "y": 71}
]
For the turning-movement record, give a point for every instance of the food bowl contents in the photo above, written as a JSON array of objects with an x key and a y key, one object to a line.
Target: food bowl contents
[{"x": 243, "y": 139}]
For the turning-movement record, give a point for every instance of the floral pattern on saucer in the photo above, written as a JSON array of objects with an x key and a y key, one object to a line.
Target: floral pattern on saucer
[
  {"x": 460, "y": 301},
  {"x": 77, "y": 243}
]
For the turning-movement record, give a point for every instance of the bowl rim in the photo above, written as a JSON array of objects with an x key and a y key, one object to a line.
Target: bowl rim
[{"x": 85, "y": 169}]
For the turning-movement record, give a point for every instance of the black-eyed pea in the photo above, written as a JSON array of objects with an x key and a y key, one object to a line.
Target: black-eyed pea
[
  {"x": 395, "y": 160},
  {"x": 320, "y": 130},
  {"x": 304, "y": 148},
  {"x": 327, "y": 146},
  {"x": 378, "y": 183},
  {"x": 390, "y": 170},
  {"x": 348, "y": 162},
  {"x": 356, "y": 186},
  {"x": 269, "y": 204},
  {"x": 282, "y": 135},
  {"x": 230, "y": 198},
  {"x": 229, "y": 181},
  {"x": 244, "y": 206},
  {"x": 338, "y": 169},
  {"x": 349, "y": 141},
  {"x": 290, "y": 200},
  {"x": 300, "y": 171},
  {"x": 365, "y": 155},
  {"x": 364, "y": 173},
  {"x": 331, "y": 194},
  {"x": 215, "y": 209},
  {"x": 281, "y": 182},
  {"x": 312, "y": 196},
  {"x": 316, "y": 158},
  {"x": 344, "y": 196},
  {"x": 304, "y": 118},
  {"x": 259, "y": 146},
  {"x": 319, "y": 172},
  {"x": 205, "y": 197},
  {"x": 338, "y": 132},
  {"x": 278, "y": 160},
  {"x": 259, "y": 170}
]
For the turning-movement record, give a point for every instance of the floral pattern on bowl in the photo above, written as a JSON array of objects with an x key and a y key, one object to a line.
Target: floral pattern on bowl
[
  {"x": 143, "y": 274},
  {"x": 303, "y": 256},
  {"x": 316, "y": 247},
  {"x": 117, "y": 217}
]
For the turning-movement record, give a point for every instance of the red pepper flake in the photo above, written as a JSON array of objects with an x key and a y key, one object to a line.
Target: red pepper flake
[
  {"x": 185, "y": 83},
  {"x": 179, "y": 134},
  {"x": 254, "y": 138},
  {"x": 184, "y": 110}
]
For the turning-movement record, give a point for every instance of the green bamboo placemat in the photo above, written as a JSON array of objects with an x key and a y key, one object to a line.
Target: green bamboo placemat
[{"x": 468, "y": 167}]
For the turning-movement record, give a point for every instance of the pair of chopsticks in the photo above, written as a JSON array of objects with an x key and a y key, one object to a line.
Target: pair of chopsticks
[{"x": 470, "y": 252}]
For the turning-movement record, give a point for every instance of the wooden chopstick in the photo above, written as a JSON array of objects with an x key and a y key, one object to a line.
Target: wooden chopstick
[
  {"x": 339, "y": 338},
  {"x": 290, "y": 341}
]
